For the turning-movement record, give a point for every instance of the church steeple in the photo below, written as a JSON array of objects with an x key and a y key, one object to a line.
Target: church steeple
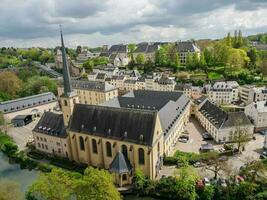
[
  {"x": 66, "y": 72},
  {"x": 69, "y": 98}
]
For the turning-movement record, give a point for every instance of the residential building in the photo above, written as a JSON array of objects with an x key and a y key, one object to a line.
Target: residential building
[
  {"x": 222, "y": 92},
  {"x": 186, "y": 47},
  {"x": 173, "y": 110},
  {"x": 32, "y": 105},
  {"x": 91, "y": 92},
  {"x": 159, "y": 83},
  {"x": 257, "y": 112},
  {"x": 86, "y": 54},
  {"x": 147, "y": 49},
  {"x": 222, "y": 126},
  {"x": 250, "y": 93},
  {"x": 189, "y": 90},
  {"x": 117, "y": 54},
  {"x": 50, "y": 135}
]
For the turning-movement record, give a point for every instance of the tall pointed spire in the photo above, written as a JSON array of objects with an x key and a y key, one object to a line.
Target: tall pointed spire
[{"x": 66, "y": 72}]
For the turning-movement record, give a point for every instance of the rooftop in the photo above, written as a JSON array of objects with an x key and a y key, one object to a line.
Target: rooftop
[{"x": 27, "y": 102}]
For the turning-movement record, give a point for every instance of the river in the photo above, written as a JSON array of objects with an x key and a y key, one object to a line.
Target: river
[{"x": 25, "y": 177}]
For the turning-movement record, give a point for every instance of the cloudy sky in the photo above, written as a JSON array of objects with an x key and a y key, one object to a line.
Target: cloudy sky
[{"x": 26, "y": 23}]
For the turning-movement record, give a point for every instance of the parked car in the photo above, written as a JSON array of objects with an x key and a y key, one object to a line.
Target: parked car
[
  {"x": 183, "y": 138},
  {"x": 207, "y": 136},
  {"x": 263, "y": 132},
  {"x": 263, "y": 155},
  {"x": 206, "y": 181},
  {"x": 198, "y": 164}
]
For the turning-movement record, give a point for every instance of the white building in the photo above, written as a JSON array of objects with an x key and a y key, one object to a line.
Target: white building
[
  {"x": 220, "y": 124},
  {"x": 222, "y": 92},
  {"x": 250, "y": 93},
  {"x": 86, "y": 54},
  {"x": 257, "y": 112}
]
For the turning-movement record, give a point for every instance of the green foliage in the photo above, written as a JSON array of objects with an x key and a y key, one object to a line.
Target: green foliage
[
  {"x": 207, "y": 193},
  {"x": 37, "y": 85},
  {"x": 140, "y": 59},
  {"x": 62, "y": 185},
  {"x": 2, "y": 119},
  {"x": 88, "y": 65},
  {"x": 238, "y": 58},
  {"x": 166, "y": 56},
  {"x": 10, "y": 84}
]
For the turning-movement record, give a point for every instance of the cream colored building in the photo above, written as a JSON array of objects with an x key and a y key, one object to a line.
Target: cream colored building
[
  {"x": 257, "y": 112},
  {"x": 34, "y": 105},
  {"x": 220, "y": 124},
  {"x": 91, "y": 92},
  {"x": 223, "y": 92},
  {"x": 250, "y": 93}
]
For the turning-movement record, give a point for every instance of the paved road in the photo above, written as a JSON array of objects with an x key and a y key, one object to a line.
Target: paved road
[{"x": 21, "y": 135}]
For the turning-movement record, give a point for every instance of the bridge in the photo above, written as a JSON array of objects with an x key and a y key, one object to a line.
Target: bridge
[{"x": 48, "y": 70}]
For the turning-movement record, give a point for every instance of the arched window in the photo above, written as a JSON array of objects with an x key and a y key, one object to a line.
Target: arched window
[
  {"x": 108, "y": 149},
  {"x": 141, "y": 156},
  {"x": 81, "y": 143},
  {"x": 124, "y": 151},
  {"x": 65, "y": 103},
  {"x": 94, "y": 145}
]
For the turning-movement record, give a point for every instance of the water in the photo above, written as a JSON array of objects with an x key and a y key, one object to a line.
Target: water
[
  {"x": 25, "y": 177},
  {"x": 13, "y": 172}
]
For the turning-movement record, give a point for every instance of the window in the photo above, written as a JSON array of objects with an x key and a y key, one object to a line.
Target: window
[
  {"x": 94, "y": 145},
  {"x": 58, "y": 144},
  {"x": 108, "y": 149},
  {"x": 46, "y": 147},
  {"x": 141, "y": 156},
  {"x": 59, "y": 150},
  {"x": 39, "y": 145},
  {"x": 82, "y": 148},
  {"x": 65, "y": 103},
  {"x": 124, "y": 151},
  {"x": 124, "y": 177},
  {"x": 45, "y": 139},
  {"x": 42, "y": 146}
]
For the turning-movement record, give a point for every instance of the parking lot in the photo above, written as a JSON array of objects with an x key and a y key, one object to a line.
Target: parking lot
[
  {"x": 195, "y": 138},
  {"x": 21, "y": 135},
  {"x": 252, "y": 150}
]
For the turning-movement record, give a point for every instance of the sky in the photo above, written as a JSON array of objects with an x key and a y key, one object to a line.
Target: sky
[{"x": 28, "y": 23}]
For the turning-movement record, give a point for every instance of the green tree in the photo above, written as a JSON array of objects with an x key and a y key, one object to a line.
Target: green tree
[
  {"x": 10, "y": 84},
  {"x": 189, "y": 61},
  {"x": 238, "y": 58},
  {"x": 252, "y": 54},
  {"x": 208, "y": 56},
  {"x": 149, "y": 66},
  {"x": 161, "y": 56},
  {"x": 88, "y": 65},
  {"x": 140, "y": 59},
  {"x": 9, "y": 190},
  {"x": 240, "y": 41},
  {"x": 235, "y": 40},
  {"x": 96, "y": 185},
  {"x": 37, "y": 85},
  {"x": 240, "y": 135},
  {"x": 220, "y": 54},
  {"x": 46, "y": 56},
  {"x": 131, "y": 48},
  {"x": 229, "y": 40}
]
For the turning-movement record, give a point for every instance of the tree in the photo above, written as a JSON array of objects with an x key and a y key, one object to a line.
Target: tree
[
  {"x": 220, "y": 54},
  {"x": 37, "y": 85},
  {"x": 238, "y": 58},
  {"x": 78, "y": 49},
  {"x": 252, "y": 54},
  {"x": 240, "y": 41},
  {"x": 235, "y": 41},
  {"x": 149, "y": 66},
  {"x": 208, "y": 57},
  {"x": 62, "y": 185},
  {"x": 240, "y": 135},
  {"x": 9, "y": 190},
  {"x": 131, "y": 48},
  {"x": 10, "y": 83},
  {"x": 88, "y": 65},
  {"x": 46, "y": 56},
  {"x": 195, "y": 60},
  {"x": 189, "y": 61},
  {"x": 229, "y": 40},
  {"x": 96, "y": 184},
  {"x": 216, "y": 165},
  {"x": 56, "y": 185},
  {"x": 140, "y": 59},
  {"x": 264, "y": 67},
  {"x": 161, "y": 56}
]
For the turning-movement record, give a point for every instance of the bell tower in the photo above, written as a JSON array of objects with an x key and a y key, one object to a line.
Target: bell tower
[{"x": 69, "y": 98}]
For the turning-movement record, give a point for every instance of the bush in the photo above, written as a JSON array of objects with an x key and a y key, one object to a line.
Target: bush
[
  {"x": 35, "y": 155},
  {"x": 10, "y": 148},
  {"x": 44, "y": 167},
  {"x": 170, "y": 160}
]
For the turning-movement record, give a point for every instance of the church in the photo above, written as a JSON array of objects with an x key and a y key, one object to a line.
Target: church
[{"x": 121, "y": 135}]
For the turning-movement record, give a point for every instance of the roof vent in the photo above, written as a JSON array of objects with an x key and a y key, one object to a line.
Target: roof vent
[
  {"x": 109, "y": 132},
  {"x": 141, "y": 137},
  {"x": 125, "y": 134}
]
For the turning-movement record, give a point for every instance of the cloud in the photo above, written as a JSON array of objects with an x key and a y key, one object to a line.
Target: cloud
[{"x": 97, "y": 22}]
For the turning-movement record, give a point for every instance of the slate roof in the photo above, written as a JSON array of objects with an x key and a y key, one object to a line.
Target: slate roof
[
  {"x": 91, "y": 85},
  {"x": 130, "y": 81},
  {"x": 100, "y": 76},
  {"x": 27, "y": 102},
  {"x": 165, "y": 81},
  {"x": 120, "y": 164},
  {"x": 146, "y": 47},
  {"x": 131, "y": 125},
  {"x": 20, "y": 117},
  {"x": 221, "y": 119},
  {"x": 51, "y": 124},
  {"x": 170, "y": 105},
  {"x": 186, "y": 46}
]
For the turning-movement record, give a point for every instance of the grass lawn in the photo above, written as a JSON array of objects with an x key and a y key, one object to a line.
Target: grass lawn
[{"x": 215, "y": 76}]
